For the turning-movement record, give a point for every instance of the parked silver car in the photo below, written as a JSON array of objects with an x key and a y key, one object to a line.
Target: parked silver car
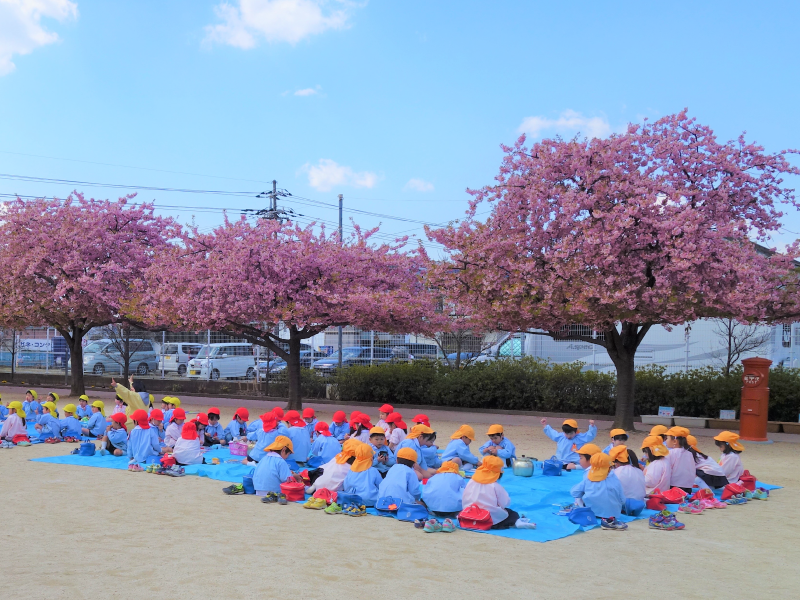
[{"x": 102, "y": 356}]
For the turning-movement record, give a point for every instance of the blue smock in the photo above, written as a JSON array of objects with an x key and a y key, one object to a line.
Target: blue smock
[
  {"x": 443, "y": 492},
  {"x": 324, "y": 448},
  {"x": 83, "y": 412},
  {"x": 97, "y": 424},
  {"x": 118, "y": 438},
  {"x": 605, "y": 498},
  {"x": 236, "y": 430},
  {"x": 262, "y": 439},
  {"x": 70, "y": 426},
  {"x": 312, "y": 435},
  {"x": 401, "y": 482},
  {"x": 564, "y": 451},
  {"x": 458, "y": 449},
  {"x": 391, "y": 458},
  {"x": 51, "y": 427},
  {"x": 270, "y": 472},
  {"x": 364, "y": 483},
  {"x": 215, "y": 431},
  {"x": 301, "y": 444},
  {"x": 141, "y": 445},
  {"x": 414, "y": 444},
  {"x": 339, "y": 431},
  {"x": 505, "y": 449}
]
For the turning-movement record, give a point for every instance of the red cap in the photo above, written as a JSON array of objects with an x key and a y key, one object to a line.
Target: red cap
[
  {"x": 308, "y": 413},
  {"x": 354, "y": 414},
  {"x": 178, "y": 413},
  {"x": 202, "y": 418},
  {"x": 364, "y": 420},
  {"x": 393, "y": 417},
  {"x": 269, "y": 421},
  {"x": 121, "y": 419},
  {"x": 213, "y": 411},
  {"x": 339, "y": 416},
  {"x": 189, "y": 431},
  {"x": 386, "y": 408},
  {"x": 421, "y": 418},
  {"x": 322, "y": 428},
  {"x": 354, "y": 424},
  {"x": 291, "y": 415},
  {"x": 156, "y": 413},
  {"x": 242, "y": 413},
  {"x": 401, "y": 424},
  {"x": 278, "y": 413},
  {"x": 140, "y": 418}
]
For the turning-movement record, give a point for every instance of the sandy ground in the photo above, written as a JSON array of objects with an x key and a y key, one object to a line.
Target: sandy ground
[{"x": 73, "y": 532}]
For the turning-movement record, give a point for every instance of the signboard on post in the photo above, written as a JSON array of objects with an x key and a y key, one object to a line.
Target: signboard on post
[
  {"x": 34, "y": 345},
  {"x": 666, "y": 411}
]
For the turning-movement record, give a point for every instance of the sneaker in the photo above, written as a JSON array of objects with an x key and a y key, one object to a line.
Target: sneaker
[
  {"x": 761, "y": 494},
  {"x": 232, "y": 490},
  {"x": 660, "y": 521},
  {"x": 432, "y": 526},
  {"x": 270, "y": 498},
  {"x": 613, "y": 524},
  {"x": 23, "y": 443},
  {"x": 524, "y": 523},
  {"x": 448, "y": 526},
  {"x": 315, "y": 504},
  {"x": 282, "y": 499},
  {"x": 673, "y": 521},
  {"x": 748, "y": 495},
  {"x": 355, "y": 511},
  {"x": 565, "y": 510},
  {"x": 419, "y": 523},
  {"x": 333, "y": 509},
  {"x": 734, "y": 500},
  {"x": 175, "y": 471},
  {"x": 135, "y": 468}
]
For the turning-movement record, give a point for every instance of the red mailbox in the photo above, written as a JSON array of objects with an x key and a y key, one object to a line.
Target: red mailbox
[{"x": 755, "y": 400}]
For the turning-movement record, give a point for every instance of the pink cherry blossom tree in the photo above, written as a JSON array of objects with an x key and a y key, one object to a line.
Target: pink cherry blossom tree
[
  {"x": 246, "y": 278},
  {"x": 653, "y": 226},
  {"x": 75, "y": 264}
]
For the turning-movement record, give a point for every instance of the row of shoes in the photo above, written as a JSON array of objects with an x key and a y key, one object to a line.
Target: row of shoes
[{"x": 434, "y": 526}]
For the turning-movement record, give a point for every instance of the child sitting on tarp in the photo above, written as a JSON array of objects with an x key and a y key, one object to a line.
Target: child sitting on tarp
[
  {"x": 680, "y": 460},
  {"x": 116, "y": 436},
  {"x": 157, "y": 426},
  {"x": 384, "y": 456},
  {"x": 15, "y": 423},
  {"x": 214, "y": 433},
  {"x": 119, "y": 406},
  {"x": 618, "y": 438},
  {"x": 339, "y": 427},
  {"x": 484, "y": 491},
  {"x": 569, "y": 437},
  {"x": 273, "y": 470},
  {"x": 656, "y": 473},
  {"x": 498, "y": 445},
  {"x": 731, "y": 447},
  {"x": 237, "y": 428},
  {"x": 187, "y": 448},
  {"x": 31, "y": 406},
  {"x": 419, "y": 436},
  {"x": 263, "y": 437},
  {"x": 70, "y": 425},
  {"x": 324, "y": 448},
  {"x": 397, "y": 430},
  {"x": 301, "y": 442},
  {"x": 173, "y": 431},
  {"x": 363, "y": 479},
  {"x": 140, "y": 442},
  {"x": 710, "y": 473},
  {"x": 602, "y": 492},
  {"x": 457, "y": 450},
  {"x": 83, "y": 411},
  {"x": 3, "y": 411},
  {"x": 330, "y": 476},
  {"x": 310, "y": 419},
  {"x": 627, "y": 470},
  {"x": 660, "y": 431},
  {"x": 585, "y": 454},
  {"x": 359, "y": 428},
  {"x": 54, "y": 398},
  {"x": 96, "y": 426},
  {"x": 383, "y": 412},
  {"x": 48, "y": 426},
  {"x": 401, "y": 482},
  {"x": 442, "y": 494}
]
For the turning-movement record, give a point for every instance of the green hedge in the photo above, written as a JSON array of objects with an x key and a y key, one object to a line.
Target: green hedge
[{"x": 532, "y": 384}]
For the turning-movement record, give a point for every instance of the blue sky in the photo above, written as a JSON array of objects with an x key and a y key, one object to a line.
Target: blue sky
[{"x": 400, "y": 106}]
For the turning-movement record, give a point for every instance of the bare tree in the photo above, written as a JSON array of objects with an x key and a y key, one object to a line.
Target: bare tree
[
  {"x": 120, "y": 336},
  {"x": 738, "y": 339}
]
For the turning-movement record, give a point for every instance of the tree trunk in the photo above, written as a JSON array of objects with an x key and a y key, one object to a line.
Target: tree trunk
[
  {"x": 621, "y": 346},
  {"x": 293, "y": 371},
  {"x": 73, "y": 338}
]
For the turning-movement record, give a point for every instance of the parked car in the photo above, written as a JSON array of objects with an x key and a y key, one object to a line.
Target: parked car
[
  {"x": 358, "y": 355},
  {"x": 307, "y": 357},
  {"x": 414, "y": 351},
  {"x": 103, "y": 356},
  {"x": 217, "y": 361},
  {"x": 176, "y": 356}
]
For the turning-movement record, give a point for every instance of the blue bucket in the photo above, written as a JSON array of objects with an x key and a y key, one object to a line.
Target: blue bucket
[
  {"x": 87, "y": 449},
  {"x": 247, "y": 484}
]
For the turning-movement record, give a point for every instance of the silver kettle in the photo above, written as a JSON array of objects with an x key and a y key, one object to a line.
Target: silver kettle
[{"x": 523, "y": 466}]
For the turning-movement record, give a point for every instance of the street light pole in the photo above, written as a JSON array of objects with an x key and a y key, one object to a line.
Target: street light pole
[{"x": 341, "y": 242}]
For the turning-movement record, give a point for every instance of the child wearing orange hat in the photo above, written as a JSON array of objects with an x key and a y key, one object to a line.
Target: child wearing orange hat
[
  {"x": 567, "y": 438},
  {"x": 187, "y": 448},
  {"x": 401, "y": 482},
  {"x": 334, "y": 471},
  {"x": 339, "y": 428},
  {"x": 116, "y": 435},
  {"x": 660, "y": 431},
  {"x": 626, "y": 468},
  {"x": 485, "y": 491},
  {"x": 384, "y": 456},
  {"x": 140, "y": 441},
  {"x": 324, "y": 448},
  {"x": 618, "y": 438},
  {"x": 273, "y": 470},
  {"x": 457, "y": 450},
  {"x": 237, "y": 428},
  {"x": 214, "y": 432},
  {"x": 397, "y": 430},
  {"x": 657, "y": 472},
  {"x": 173, "y": 431},
  {"x": 383, "y": 412},
  {"x": 442, "y": 494},
  {"x": 419, "y": 436},
  {"x": 498, "y": 445},
  {"x": 681, "y": 462},
  {"x": 731, "y": 447},
  {"x": 710, "y": 473},
  {"x": 310, "y": 419},
  {"x": 601, "y": 491},
  {"x": 363, "y": 479},
  {"x": 585, "y": 454}
]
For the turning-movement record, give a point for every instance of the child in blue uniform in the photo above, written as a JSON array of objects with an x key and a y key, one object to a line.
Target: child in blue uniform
[
  {"x": 263, "y": 437},
  {"x": 54, "y": 398},
  {"x": 48, "y": 426},
  {"x": 96, "y": 426},
  {"x": 84, "y": 411},
  {"x": 363, "y": 479},
  {"x": 618, "y": 438},
  {"x": 339, "y": 427},
  {"x": 273, "y": 470},
  {"x": 140, "y": 442},
  {"x": 300, "y": 440},
  {"x": 457, "y": 450},
  {"x": 401, "y": 482},
  {"x": 310, "y": 419},
  {"x": 237, "y": 428},
  {"x": 214, "y": 432},
  {"x": 568, "y": 437},
  {"x": 384, "y": 456},
  {"x": 116, "y": 436},
  {"x": 442, "y": 494},
  {"x": 324, "y": 448},
  {"x": 31, "y": 406},
  {"x": 601, "y": 491},
  {"x": 419, "y": 436},
  {"x": 498, "y": 445},
  {"x": 70, "y": 425},
  {"x": 157, "y": 426},
  {"x": 3, "y": 411}
]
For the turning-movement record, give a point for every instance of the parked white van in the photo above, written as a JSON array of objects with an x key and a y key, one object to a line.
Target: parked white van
[
  {"x": 175, "y": 357},
  {"x": 223, "y": 361}
]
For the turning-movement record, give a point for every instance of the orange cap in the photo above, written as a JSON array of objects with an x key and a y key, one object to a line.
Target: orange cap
[
  {"x": 489, "y": 470},
  {"x": 377, "y": 431},
  {"x": 363, "y": 459},
  {"x": 658, "y": 430},
  {"x": 494, "y": 429},
  {"x": 407, "y": 453},
  {"x": 449, "y": 466},
  {"x": 601, "y": 463},
  {"x": 616, "y": 432},
  {"x": 464, "y": 431},
  {"x": 571, "y": 422},
  {"x": 348, "y": 450},
  {"x": 619, "y": 453},
  {"x": 590, "y": 449},
  {"x": 418, "y": 430},
  {"x": 692, "y": 442},
  {"x": 678, "y": 432},
  {"x": 731, "y": 438},
  {"x": 279, "y": 444},
  {"x": 656, "y": 445}
]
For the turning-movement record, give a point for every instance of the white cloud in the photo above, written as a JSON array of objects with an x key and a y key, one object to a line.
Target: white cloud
[
  {"x": 419, "y": 185},
  {"x": 308, "y": 91},
  {"x": 21, "y": 31},
  {"x": 327, "y": 174},
  {"x": 242, "y": 25},
  {"x": 568, "y": 122}
]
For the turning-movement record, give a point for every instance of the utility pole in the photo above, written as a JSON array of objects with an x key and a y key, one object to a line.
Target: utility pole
[
  {"x": 341, "y": 243},
  {"x": 273, "y": 213}
]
